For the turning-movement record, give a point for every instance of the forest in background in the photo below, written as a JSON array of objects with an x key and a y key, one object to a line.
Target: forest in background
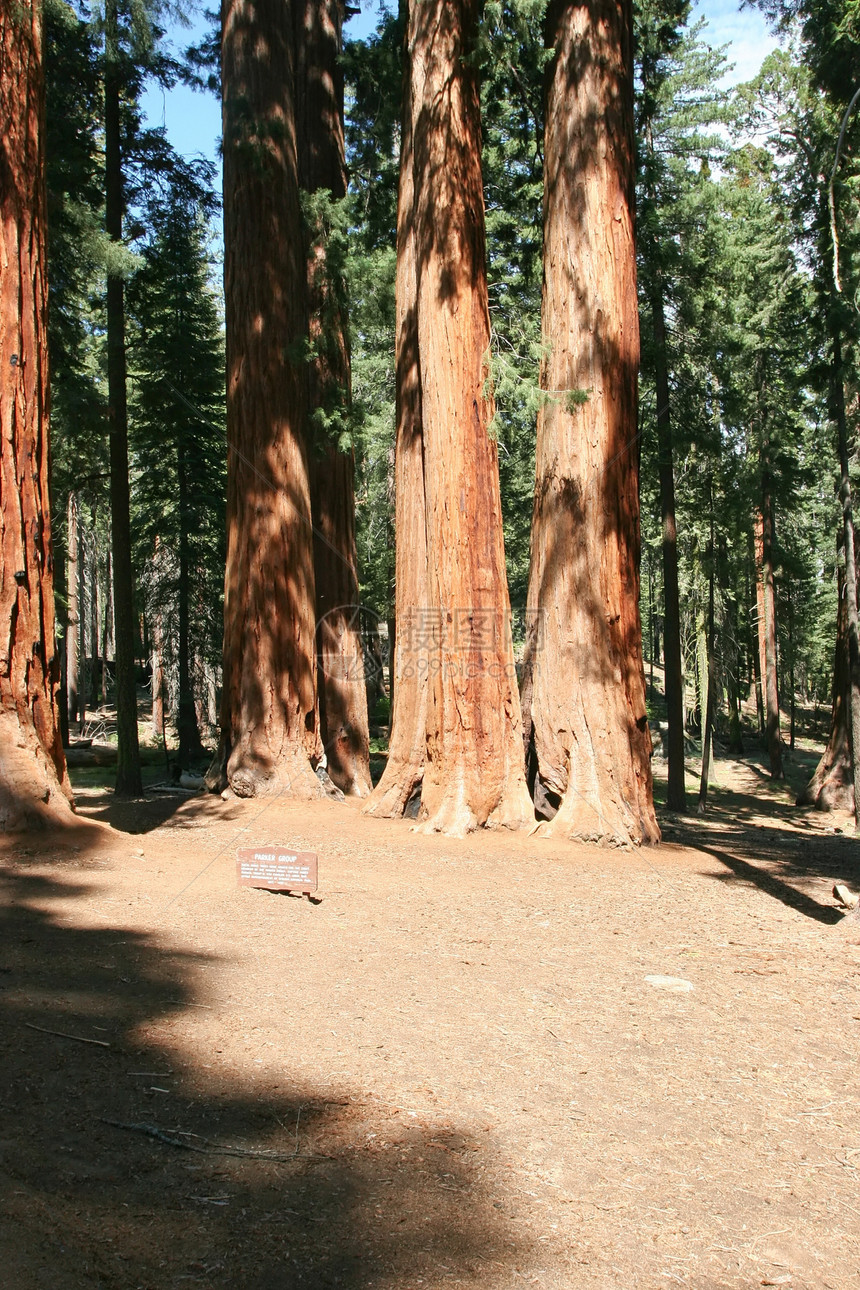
[{"x": 747, "y": 386}]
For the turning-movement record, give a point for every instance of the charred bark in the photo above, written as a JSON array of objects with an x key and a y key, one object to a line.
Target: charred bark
[
  {"x": 34, "y": 785},
  {"x": 269, "y": 726},
  {"x": 322, "y": 174},
  {"x": 590, "y": 742}
]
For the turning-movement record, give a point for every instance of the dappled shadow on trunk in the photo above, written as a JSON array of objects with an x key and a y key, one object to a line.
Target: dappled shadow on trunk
[
  {"x": 268, "y": 722},
  {"x": 90, "y": 1202},
  {"x": 584, "y": 690},
  {"x": 474, "y": 772}
]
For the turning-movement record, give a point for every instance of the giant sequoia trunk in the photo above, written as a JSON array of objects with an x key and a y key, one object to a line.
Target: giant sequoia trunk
[
  {"x": 590, "y": 744},
  {"x": 34, "y": 786},
  {"x": 410, "y": 666},
  {"x": 128, "y": 778},
  {"x": 322, "y": 174},
  {"x": 473, "y": 773},
  {"x": 269, "y": 709}
]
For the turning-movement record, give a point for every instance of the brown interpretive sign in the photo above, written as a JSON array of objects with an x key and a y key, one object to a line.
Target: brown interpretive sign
[{"x": 276, "y": 869}]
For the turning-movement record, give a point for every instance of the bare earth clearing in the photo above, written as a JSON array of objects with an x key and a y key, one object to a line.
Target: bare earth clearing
[{"x": 455, "y": 1054}]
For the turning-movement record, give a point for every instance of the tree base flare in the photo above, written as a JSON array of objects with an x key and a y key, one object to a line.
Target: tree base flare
[
  {"x": 31, "y": 795},
  {"x": 456, "y": 811},
  {"x": 600, "y": 822},
  {"x": 293, "y": 776}
]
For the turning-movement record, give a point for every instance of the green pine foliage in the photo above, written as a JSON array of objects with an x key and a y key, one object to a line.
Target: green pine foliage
[{"x": 177, "y": 419}]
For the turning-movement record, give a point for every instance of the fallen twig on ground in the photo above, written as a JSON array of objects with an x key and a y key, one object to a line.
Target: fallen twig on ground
[
  {"x": 62, "y": 1034},
  {"x": 211, "y": 1148}
]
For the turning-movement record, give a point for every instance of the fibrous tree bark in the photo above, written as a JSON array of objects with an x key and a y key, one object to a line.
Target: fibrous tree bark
[
  {"x": 589, "y": 740},
  {"x": 473, "y": 770},
  {"x": 269, "y": 724},
  {"x": 128, "y": 777},
  {"x": 34, "y": 785},
  {"x": 322, "y": 175},
  {"x": 410, "y": 656}
]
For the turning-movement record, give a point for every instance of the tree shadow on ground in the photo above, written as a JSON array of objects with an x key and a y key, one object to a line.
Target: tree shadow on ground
[
  {"x": 798, "y": 869},
  {"x": 91, "y": 1204},
  {"x": 142, "y": 814}
]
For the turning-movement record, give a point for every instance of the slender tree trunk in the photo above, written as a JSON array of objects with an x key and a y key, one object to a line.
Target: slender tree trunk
[
  {"x": 322, "y": 170},
  {"x": 651, "y": 624},
  {"x": 73, "y": 627},
  {"x": 759, "y": 660},
  {"x": 157, "y": 651},
  {"x": 771, "y": 686},
  {"x": 736, "y": 743},
  {"x": 190, "y": 746},
  {"x": 832, "y": 785},
  {"x": 128, "y": 779},
  {"x": 837, "y": 399},
  {"x": 106, "y": 629},
  {"x": 269, "y": 730},
  {"x": 590, "y": 736},
  {"x": 34, "y": 785},
  {"x": 791, "y": 678},
  {"x": 676, "y": 798},
  {"x": 410, "y": 654},
  {"x": 61, "y": 606},
  {"x": 95, "y": 632},
  {"x": 710, "y": 685}
]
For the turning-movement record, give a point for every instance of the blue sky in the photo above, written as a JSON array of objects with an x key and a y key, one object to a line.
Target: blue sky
[{"x": 193, "y": 120}]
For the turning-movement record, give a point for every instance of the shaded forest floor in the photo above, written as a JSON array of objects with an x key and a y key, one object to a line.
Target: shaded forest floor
[{"x": 456, "y": 1053}]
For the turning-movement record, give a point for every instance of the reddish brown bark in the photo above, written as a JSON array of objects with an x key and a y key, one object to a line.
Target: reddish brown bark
[
  {"x": 832, "y": 784},
  {"x": 410, "y": 657},
  {"x": 268, "y": 717},
  {"x": 472, "y": 736},
  {"x": 34, "y": 785},
  {"x": 322, "y": 171},
  {"x": 590, "y": 739},
  {"x": 474, "y": 773},
  {"x": 404, "y": 770}
]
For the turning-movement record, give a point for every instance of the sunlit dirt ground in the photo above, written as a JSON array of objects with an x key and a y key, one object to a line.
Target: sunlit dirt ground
[{"x": 456, "y": 1055}]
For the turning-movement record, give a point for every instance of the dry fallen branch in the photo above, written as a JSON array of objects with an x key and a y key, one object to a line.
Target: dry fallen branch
[
  {"x": 210, "y": 1148},
  {"x": 62, "y": 1034}
]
